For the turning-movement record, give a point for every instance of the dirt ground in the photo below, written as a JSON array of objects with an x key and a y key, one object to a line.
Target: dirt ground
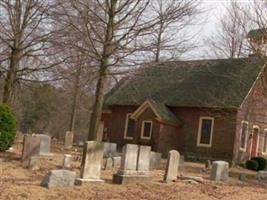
[{"x": 17, "y": 182}]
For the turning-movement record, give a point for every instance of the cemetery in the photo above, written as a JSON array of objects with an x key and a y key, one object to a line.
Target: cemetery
[{"x": 98, "y": 171}]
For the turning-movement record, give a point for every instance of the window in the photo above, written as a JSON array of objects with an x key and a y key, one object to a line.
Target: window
[
  {"x": 129, "y": 127},
  {"x": 205, "y": 131},
  {"x": 146, "y": 130},
  {"x": 264, "y": 147},
  {"x": 243, "y": 136}
]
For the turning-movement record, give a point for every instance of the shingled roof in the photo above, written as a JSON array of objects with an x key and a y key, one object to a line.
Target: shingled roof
[{"x": 220, "y": 83}]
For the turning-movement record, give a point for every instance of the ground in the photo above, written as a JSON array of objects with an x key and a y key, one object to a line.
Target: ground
[{"x": 17, "y": 182}]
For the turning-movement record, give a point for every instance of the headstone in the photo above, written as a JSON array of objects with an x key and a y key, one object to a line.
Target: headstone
[
  {"x": 134, "y": 165},
  {"x": 171, "y": 171},
  {"x": 31, "y": 147},
  {"x": 59, "y": 178},
  {"x": 34, "y": 163},
  {"x": 143, "y": 160},
  {"x": 262, "y": 176},
  {"x": 68, "y": 140},
  {"x": 108, "y": 163},
  {"x": 91, "y": 162},
  {"x": 129, "y": 159},
  {"x": 155, "y": 159},
  {"x": 116, "y": 161},
  {"x": 207, "y": 164},
  {"x": 67, "y": 161},
  {"x": 220, "y": 171},
  {"x": 242, "y": 177},
  {"x": 45, "y": 143},
  {"x": 110, "y": 149}
]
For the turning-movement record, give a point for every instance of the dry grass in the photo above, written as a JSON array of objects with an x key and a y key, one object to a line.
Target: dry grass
[{"x": 17, "y": 182}]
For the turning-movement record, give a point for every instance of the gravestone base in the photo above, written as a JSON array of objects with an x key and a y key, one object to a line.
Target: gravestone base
[
  {"x": 130, "y": 179},
  {"x": 83, "y": 181},
  {"x": 46, "y": 154}
]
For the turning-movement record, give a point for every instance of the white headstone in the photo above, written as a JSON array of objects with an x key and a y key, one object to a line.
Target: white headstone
[
  {"x": 67, "y": 161},
  {"x": 171, "y": 171},
  {"x": 220, "y": 171},
  {"x": 143, "y": 160},
  {"x": 129, "y": 159},
  {"x": 110, "y": 149},
  {"x": 45, "y": 143},
  {"x": 68, "y": 140}
]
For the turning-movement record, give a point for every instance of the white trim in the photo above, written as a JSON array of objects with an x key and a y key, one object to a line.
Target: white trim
[
  {"x": 199, "y": 131},
  {"x": 246, "y": 136},
  {"x": 262, "y": 150},
  {"x": 142, "y": 108},
  {"x": 142, "y": 129},
  {"x": 257, "y": 145},
  {"x": 126, "y": 127}
]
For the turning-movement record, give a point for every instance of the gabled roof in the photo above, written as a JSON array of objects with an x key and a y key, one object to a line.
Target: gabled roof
[
  {"x": 162, "y": 113},
  {"x": 220, "y": 83}
]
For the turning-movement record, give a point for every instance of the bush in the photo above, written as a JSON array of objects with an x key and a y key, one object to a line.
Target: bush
[
  {"x": 261, "y": 161},
  {"x": 252, "y": 165},
  {"x": 7, "y": 127}
]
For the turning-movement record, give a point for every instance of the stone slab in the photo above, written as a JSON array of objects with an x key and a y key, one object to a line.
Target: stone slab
[
  {"x": 81, "y": 181},
  {"x": 67, "y": 161},
  {"x": 68, "y": 140},
  {"x": 143, "y": 160},
  {"x": 262, "y": 176},
  {"x": 129, "y": 159},
  {"x": 59, "y": 178},
  {"x": 128, "y": 179},
  {"x": 92, "y": 160},
  {"x": 45, "y": 144},
  {"x": 220, "y": 171},
  {"x": 110, "y": 149},
  {"x": 171, "y": 170},
  {"x": 31, "y": 147},
  {"x": 155, "y": 159}
]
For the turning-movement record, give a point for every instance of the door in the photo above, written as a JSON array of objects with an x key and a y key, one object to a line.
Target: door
[{"x": 254, "y": 142}]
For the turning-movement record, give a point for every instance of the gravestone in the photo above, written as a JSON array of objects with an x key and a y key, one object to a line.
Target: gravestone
[
  {"x": 155, "y": 159},
  {"x": 219, "y": 171},
  {"x": 31, "y": 147},
  {"x": 110, "y": 149},
  {"x": 262, "y": 176},
  {"x": 108, "y": 163},
  {"x": 134, "y": 165},
  {"x": 59, "y": 178},
  {"x": 67, "y": 161},
  {"x": 171, "y": 171},
  {"x": 34, "y": 163},
  {"x": 143, "y": 160},
  {"x": 68, "y": 142},
  {"x": 45, "y": 143},
  {"x": 91, "y": 162},
  {"x": 116, "y": 161}
]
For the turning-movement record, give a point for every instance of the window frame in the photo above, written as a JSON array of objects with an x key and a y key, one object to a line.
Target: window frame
[
  {"x": 246, "y": 136},
  {"x": 142, "y": 129},
  {"x": 126, "y": 127},
  {"x": 264, "y": 133},
  {"x": 200, "y": 129}
]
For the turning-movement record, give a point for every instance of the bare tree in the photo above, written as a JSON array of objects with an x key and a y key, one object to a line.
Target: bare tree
[
  {"x": 229, "y": 40},
  {"x": 24, "y": 37},
  {"x": 171, "y": 36}
]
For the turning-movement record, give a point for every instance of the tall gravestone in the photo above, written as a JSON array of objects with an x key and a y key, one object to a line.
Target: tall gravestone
[
  {"x": 31, "y": 147},
  {"x": 91, "y": 162},
  {"x": 68, "y": 140},
  {"x": 134, "y": 165},
  {"x": 45, "y": 144},
  {"x": 219, "y": 171},
  {"x": 172, "y": 167},
  {"x": 110, "y": 149}
]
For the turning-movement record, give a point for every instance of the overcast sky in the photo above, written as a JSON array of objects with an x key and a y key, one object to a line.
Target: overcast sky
[{"x": 214, "y": 9}]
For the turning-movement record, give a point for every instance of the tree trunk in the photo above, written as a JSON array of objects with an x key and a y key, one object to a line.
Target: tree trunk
[
  {"x": 11, "y": 77},
  {"x": 107, "y": 51},
  {"x": 75, "y": 99}
]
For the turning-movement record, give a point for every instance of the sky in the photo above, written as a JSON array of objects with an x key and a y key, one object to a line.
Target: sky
[{"x": 213, "y": 10}]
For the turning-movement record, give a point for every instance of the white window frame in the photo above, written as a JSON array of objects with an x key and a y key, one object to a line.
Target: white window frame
[
  {"x": 264, "y": 133},
  {"x": 199, "y": 131},
  {"x": 142, "y": 129},
  {"x": 258, "y": 136},
  {"x": 246, "y": 136},
  {"x": 126, "y": 127}
]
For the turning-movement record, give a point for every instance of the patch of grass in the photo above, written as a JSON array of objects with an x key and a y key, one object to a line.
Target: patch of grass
[{"x": 24, "y": 195}]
